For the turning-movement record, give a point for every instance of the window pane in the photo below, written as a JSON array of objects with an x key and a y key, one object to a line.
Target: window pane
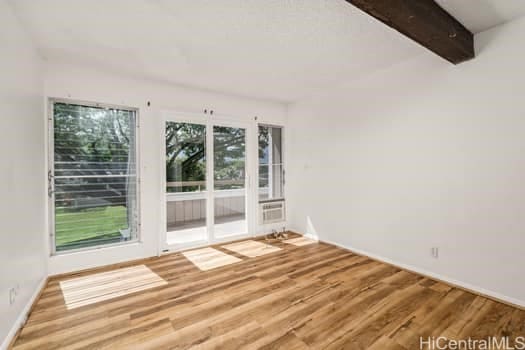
[
  {"x": 185, "y": 182},
  {"x": 264, "y": 141},
  {"x": 277, "y": 181},
  {"x": 95, "y": 176},
  {"x": 271, "y": 170},
  {"x": 276, "y": 145},
  {"x": 185, "y": 157},
  {"x": 229, "y": 162},
  {"x": 264, "y": 171},
  {"x": 229, "y": 157}
]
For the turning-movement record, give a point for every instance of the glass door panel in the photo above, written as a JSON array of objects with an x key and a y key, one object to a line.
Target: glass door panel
[
  {"x": 185, "y": 183},
  {"x": 229, "y": 175}
]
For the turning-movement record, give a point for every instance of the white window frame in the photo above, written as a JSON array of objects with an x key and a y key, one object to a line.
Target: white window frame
[
  {"x": 51, "y": 170},
  {"x": 283, "y": 162}
]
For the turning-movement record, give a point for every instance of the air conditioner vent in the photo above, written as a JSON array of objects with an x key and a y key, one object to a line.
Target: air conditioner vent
[{"x": 272, "y": 212}]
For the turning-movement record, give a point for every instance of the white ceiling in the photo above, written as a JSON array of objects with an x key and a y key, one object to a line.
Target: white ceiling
[
  {"x": 272, "y": 49},
  {"x": 480, "y": 15}
]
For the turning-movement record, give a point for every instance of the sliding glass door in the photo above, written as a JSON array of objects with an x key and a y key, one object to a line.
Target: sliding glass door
[
  {"x": 93, "y": 176},
  {"x": 206, "y": 182}
]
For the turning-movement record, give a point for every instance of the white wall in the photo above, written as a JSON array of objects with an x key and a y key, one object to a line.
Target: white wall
[
  {"x": 422, "y": 154},
  {"x": 79, "y": 83},
  {"x": 22, "y": 177}
]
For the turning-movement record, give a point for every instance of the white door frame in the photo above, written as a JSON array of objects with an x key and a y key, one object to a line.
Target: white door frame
[{"x": 209, "y": 121}]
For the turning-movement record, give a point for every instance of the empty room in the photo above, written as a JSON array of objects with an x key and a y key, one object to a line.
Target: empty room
[{"x": 250, "y": 174}]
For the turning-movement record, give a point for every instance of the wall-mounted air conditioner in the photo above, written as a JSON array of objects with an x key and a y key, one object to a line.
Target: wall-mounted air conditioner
[{"x": 271, "y": 212}]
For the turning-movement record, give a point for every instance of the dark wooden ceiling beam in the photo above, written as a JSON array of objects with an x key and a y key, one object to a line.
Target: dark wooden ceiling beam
[{"x": 425, "y": 22}]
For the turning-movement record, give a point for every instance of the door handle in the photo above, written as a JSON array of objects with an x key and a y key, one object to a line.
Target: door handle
[{"x": 50, "y": 184}]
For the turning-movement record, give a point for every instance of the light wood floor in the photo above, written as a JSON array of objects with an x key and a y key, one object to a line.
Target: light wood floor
[{"x": 311, "y": 297}]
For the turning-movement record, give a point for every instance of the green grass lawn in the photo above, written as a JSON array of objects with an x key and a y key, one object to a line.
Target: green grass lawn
[{"x": 79, "y": 227}]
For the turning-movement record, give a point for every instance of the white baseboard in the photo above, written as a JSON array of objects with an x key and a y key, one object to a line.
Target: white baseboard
[
  {"x": 469, "y": 287},
  {"x": 20, "y": 321}
]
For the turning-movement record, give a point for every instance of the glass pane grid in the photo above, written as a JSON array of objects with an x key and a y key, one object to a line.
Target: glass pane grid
[{"x": 186, "y": 203}]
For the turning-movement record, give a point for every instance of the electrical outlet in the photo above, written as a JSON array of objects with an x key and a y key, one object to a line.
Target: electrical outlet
[
  {"x": 435, "y": 252},
  {"x": 12, "y": 296}
]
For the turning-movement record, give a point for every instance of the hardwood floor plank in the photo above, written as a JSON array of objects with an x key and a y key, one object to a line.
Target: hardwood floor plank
[
  {"x": 315, "y": 296},
  {"x": 362, "y": 331},
  {"x": 385, "y": 343}
]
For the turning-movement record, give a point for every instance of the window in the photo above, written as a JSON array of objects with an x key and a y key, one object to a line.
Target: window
[
  {"x": 93, "y": 177},
  {"x": 271, "y": 169}
]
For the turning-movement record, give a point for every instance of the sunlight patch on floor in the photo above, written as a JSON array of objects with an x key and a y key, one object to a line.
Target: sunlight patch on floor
[
  {"x": 103, "y": 286},
  {"x": 300, "y": 241},
  {"x": 209, "y": 258},
  {"x": 251, "y": 248}
]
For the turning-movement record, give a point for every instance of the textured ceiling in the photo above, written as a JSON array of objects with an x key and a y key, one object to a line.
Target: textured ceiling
[
  {"x": 480, "y": 15},
  {"x": 273, "y": 49}
]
